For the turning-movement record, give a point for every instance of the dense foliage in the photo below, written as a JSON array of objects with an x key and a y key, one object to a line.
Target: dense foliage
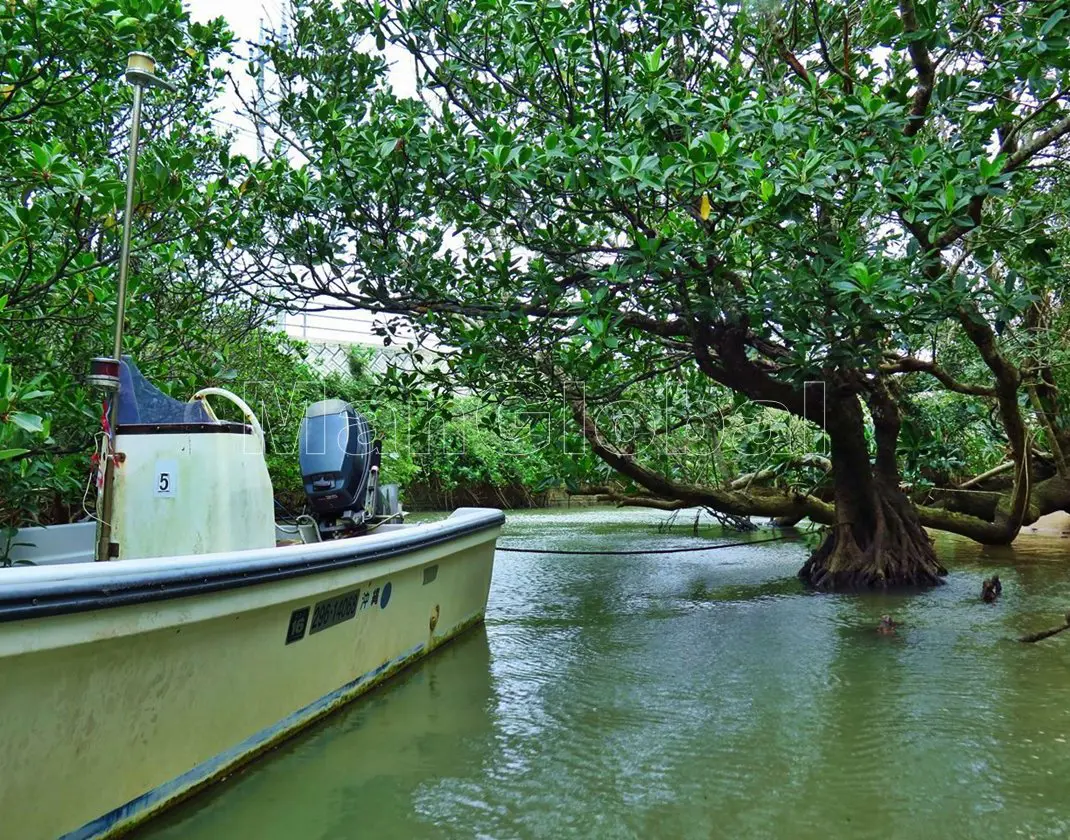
[
  {"x": 63, "y": 124},
  {"x": 438, "y": 450},
  {"x": 64, "y": 117},
  {"x": 861, "y": 195},
  {"x": 777, "y": 258}
]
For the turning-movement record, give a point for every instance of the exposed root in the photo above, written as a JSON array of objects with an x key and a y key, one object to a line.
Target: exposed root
[{"x": 894, "y": 551}]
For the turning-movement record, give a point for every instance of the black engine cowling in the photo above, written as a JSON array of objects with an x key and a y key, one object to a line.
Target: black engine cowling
[{"x": 337, "y": 453}]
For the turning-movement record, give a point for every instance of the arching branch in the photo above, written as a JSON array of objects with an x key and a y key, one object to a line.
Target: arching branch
[{"x": 909, "y": 364}]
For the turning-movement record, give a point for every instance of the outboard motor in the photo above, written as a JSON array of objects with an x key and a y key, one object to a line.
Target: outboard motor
[{"x": 340, "y": 469}]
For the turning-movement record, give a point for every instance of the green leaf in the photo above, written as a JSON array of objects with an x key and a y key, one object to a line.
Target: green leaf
[
  {"x": 5, "y": 454},
  {"x": 1052, "y": 22},
  {"x": 27, "y": 422},
  {"x": 654, "y": 60},
  {"x": 767, "y": 188},
  {"x": 860, "y": 271},
  {"x": 41, "y": 157}
]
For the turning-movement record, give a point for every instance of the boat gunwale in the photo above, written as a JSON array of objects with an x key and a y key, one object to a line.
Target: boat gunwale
[
  {"x": 42, "y": 598},
  {"x": 220, "y": 427}
]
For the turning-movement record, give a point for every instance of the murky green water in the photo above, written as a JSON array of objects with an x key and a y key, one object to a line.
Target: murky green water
[{"x": 699, "y": 696}]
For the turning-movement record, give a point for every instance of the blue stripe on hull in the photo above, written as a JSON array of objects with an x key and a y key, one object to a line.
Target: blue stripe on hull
[{"x": 213, "y": 767}]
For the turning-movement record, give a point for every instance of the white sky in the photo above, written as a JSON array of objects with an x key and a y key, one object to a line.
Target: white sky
[{"x": 244, "y": 17}]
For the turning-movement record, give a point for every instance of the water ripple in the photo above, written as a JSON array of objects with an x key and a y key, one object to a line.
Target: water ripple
[{"x": 695, "y": 696}]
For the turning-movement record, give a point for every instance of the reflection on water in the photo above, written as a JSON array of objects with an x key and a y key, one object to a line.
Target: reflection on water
[{"x": 693, "y": 695}]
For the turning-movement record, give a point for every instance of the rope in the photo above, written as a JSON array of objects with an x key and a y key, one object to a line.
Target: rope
[
  {"x": 959, "y": 490},
  {"x": 520, "y": 550}
]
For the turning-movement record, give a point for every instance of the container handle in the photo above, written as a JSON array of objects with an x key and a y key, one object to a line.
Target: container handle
[{"x": 247, "y": 412}]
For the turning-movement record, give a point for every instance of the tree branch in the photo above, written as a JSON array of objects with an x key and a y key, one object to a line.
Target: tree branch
[
  {"x": 1038, "y": 144},
  {"x": 690, "y": 495},
  {"x": 909, "y": 364},
  {"x": 923, "y": 67},
  {"x": 848, "y": 82},
  {"x": 788, "y": 57},
  {"x": 1014, "y": 162},
  {"x": 809, "y": 460}
]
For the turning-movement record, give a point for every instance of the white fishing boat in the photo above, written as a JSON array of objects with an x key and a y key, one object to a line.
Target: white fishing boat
[{"x": 153, "y": 651}]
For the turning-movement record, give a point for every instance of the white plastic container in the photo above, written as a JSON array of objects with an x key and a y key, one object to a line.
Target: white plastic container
[{"x": 194, "y": 491}]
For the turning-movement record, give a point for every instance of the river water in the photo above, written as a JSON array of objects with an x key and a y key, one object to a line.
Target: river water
[{"x": 693, "y": 696}]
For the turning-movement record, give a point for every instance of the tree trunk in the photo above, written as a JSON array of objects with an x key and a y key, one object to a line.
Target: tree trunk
[{"x": 877, "y": 540}]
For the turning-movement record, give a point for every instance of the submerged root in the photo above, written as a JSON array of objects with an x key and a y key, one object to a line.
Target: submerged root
[
  {"x": 895, "y": 552},
  {"x": 1044, "y": 634}
]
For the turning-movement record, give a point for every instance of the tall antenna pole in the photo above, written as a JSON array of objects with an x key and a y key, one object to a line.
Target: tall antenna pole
[
  {"x": 124, "y": 252},
  {"x": 140, "y": 74},
  {"x": 104, "y": 372}
]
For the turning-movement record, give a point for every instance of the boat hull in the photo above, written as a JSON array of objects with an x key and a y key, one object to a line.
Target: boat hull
[{"x": 110, "y": 714}]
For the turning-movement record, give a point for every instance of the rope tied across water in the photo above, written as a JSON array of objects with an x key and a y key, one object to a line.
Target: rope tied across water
[{"x": 524, "y": 550}]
